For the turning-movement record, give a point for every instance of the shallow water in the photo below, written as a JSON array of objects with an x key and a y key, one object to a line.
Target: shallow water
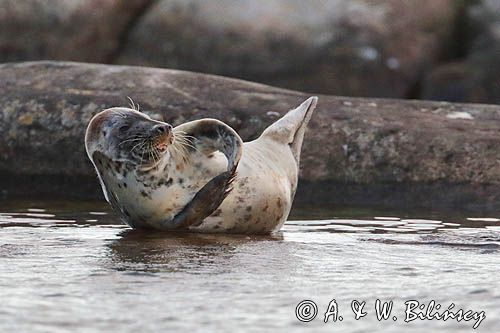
[{"x": 70, "y": 266}]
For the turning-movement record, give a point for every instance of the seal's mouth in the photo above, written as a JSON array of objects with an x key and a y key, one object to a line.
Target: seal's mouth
[
  {"x": 162, "y": 137},
  {"x": 161, "y": 147},
  {"x": 160, "y": 143}
]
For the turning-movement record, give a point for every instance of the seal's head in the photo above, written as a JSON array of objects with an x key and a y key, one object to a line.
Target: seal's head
[{"x": 129, "y": 136}]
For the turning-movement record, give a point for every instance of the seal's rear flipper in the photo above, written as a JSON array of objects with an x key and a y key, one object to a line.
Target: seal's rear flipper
[
  {"x": 209, "y": 135},
  {"x": 291, "y": 127}
]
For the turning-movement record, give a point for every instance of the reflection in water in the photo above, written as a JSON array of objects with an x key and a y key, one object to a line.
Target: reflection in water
[
  {"x": 161, "y": 251},
  {"x": 68, "y": 266}
]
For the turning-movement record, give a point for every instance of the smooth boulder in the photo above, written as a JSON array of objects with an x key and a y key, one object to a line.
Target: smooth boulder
[
  {"x": 357, "y": 150},
  {"x": 355, "y": 48},
  {"x": 474, "y": 78}
]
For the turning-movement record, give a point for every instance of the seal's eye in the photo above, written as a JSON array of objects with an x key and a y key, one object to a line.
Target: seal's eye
[{"x": 124, "y": 128}]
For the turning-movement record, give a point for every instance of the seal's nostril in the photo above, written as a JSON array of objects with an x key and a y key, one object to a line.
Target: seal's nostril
[{"x": 163, "y": 128}]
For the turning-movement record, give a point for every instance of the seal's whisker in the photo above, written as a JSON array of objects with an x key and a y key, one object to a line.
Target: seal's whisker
[
  {"x": 132, "y": 104},
  {"x": 140, "y": 145},
  {"x": 150, "y": 152},
  {"x": 185, "y": 144},
  {"x": 180, "y": 131},
  {"x": 185, "y": 136},
  {"x": 180, "y": 151},
  {"x": 154, "y": 153},
  {"x": 157, "y": 154},
  {"x": 184, "y": 141},
  {"x": 131, "y": 140},
  {"x": 182, "y": 134},
  {"x": 143, "y": 151}
]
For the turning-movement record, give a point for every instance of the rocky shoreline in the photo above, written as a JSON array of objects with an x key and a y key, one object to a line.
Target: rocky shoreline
[
  {"x": 418, "y": 49},
  {"x": 357, "y": 150}
]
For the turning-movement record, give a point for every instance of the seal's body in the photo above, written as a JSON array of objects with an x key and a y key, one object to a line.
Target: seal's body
[
  {"x": 266, "y": 179},
  {"x": 199, "y": 177}
]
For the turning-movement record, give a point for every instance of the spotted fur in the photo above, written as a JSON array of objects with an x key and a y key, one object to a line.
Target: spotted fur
[
  {"x": 266, "y": 180},
  {"x": 262, "y": 174}
]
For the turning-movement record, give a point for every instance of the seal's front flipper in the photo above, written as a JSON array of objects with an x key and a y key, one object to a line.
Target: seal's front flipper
[
  {"x": 291, "y": 127},
  {"x": 208, "y": 136},
  {"x": 205, "y": 202},
  {"x": 105, "y": 171}
]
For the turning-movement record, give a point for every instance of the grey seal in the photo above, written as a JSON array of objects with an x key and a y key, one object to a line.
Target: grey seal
[{"x": 198, "y": 176}]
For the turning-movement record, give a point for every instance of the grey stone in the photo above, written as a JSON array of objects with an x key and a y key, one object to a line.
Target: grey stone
[
  {"x": 369, "y": 150},
  {"x": 355, "y": 48},
  {"x": 82, "y": 30},
  {"x": 475, "y": 78}
]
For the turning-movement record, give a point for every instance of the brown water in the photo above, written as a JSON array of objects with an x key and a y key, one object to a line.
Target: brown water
[{"x": 70, "y": 266}]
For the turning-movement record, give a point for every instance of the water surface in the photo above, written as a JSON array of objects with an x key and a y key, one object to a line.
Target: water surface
[{"x": 71, "y": 266}]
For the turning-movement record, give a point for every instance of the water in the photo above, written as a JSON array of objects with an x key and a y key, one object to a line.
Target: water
[{"x": 69, "y": 266}]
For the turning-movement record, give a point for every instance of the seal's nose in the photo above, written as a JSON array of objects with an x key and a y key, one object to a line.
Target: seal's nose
[{"x": 162, "y": 129}]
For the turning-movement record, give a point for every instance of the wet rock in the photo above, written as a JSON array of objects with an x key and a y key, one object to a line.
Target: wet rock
[
  {"x": 475, "y": 78},
  {"x": 356, "y": 48},
  {"x": 83, "y": 30},
  {"x": 368, "y": 150}
]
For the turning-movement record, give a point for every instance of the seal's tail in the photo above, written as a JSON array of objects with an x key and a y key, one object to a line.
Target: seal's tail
[{"x": 291, "y": 127}]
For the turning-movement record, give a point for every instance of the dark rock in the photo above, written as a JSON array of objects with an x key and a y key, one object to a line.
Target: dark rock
[
  {"x": 355, "y": 48},
  {"x": 375, "y": 150},
  {"x": 83, "y": 30},
  {"x": 476, "y": 77}
]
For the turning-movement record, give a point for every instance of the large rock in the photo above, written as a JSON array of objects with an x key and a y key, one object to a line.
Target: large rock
[
  {"x": 370, "y": 151},
  {"x": 476, "y": 77},
  {"x": 355, "y": 48},
  {"x": 84, "y": 30}
]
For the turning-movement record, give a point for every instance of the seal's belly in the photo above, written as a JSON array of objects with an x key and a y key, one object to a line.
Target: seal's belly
[
  {"x": 256, "y": 209},
  {"x": 259, "y": 203},
  {"x": 150, "y": 201},
  {"x": 262, "y": 195}
]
